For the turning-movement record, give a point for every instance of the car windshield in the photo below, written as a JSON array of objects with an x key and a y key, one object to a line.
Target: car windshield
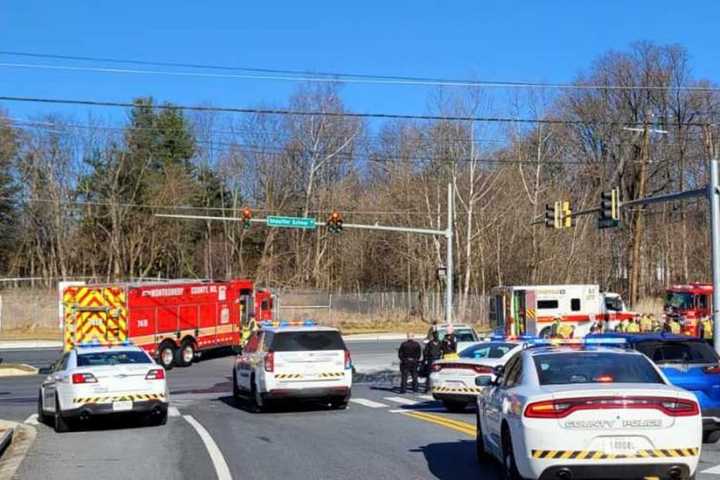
[
  {"x": 680, "y": 300},
  {"x": 487, "y": 350},
  {"x": 678, "y": 352},
  {"x": 594, "y": 367},
  {"x": 300, "y": 341},
  {"x": 97, "y": 359}
]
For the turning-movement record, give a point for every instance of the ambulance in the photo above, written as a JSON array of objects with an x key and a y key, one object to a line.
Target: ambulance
[{"x": 532, "y": 309}]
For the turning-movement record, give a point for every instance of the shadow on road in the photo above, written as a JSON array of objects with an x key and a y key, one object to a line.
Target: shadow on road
[
  {"x": 452, "y": 460},
  {"x": 108, "y": 422},
  {"x": 278, "y": 406}
]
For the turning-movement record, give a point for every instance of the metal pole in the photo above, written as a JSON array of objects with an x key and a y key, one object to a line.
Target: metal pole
[
  {"x": 714, "y": 198},
  {"x": 449, "y": 280}
]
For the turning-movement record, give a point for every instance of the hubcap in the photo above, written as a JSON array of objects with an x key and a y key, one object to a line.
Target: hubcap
[
  {"x": 188, "y": 354},
  {"x": 166, "y": 356}
]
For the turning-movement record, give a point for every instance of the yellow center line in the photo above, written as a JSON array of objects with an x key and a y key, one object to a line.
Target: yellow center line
[{"x": 462, "y": 427}]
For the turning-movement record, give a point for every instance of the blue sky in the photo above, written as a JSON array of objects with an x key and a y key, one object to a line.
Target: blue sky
[{"x": 492, "y": 40}]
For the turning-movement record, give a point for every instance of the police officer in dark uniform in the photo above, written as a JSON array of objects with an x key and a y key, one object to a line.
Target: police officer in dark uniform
[
  {"x": 449, "y": 344},
  {"x": 433, "y": 352},
  {"x": 409, "y": 354}
]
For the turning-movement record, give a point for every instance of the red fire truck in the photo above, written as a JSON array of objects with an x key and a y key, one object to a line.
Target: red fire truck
[
  {"x": 173, "y": 321},
  {"x": 689, "y": 304}
]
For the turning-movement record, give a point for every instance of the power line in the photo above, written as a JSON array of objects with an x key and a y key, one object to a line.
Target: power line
[
  {"x": 303, "y": 113},
  {"x": 300, "y": 75}
]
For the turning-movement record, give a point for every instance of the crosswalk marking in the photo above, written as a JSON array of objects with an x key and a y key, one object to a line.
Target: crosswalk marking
[
  {"x": 401, "y": 400},
  {"x": 426, "y": 397},
  {"x": 173, "y": 412},
  {"x": 368, "y": 403},
  {"x": 712, "y": 471},
  {"x": 32, "y": 419}
]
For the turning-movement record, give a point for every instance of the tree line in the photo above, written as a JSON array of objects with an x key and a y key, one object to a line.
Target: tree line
[{"x": 78, "y": 197}]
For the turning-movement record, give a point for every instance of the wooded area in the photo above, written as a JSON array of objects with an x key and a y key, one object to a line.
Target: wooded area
[{"x": 77, "y": 196}]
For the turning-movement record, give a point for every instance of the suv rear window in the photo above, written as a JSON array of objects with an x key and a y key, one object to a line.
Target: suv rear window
[
  {"x": 678, "y": 352},
  {"x": 112, "y": 358},
  {"x": 594, "y": 367},
  {"x": 300, "y": 341},
  {"x": 487, "y": 350}
]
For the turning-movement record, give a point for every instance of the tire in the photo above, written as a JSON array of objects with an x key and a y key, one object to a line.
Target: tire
[
  {"x": 480, "y": 451},
  {"x": 42, "y": 416},
  {"x": 166, "y": 356},
  {"x": 61, "y": 424},
  {"x": 185, "y": 354},
  {"x": 338, "y": 404},
  {"x": 156, "y": 420},
  {"x": 711, "y": 437},
  {"x": 510, "y": 471},
  {"x": 255, "y": 400},
  {"x": 236, "y": 389},
  {"x": 454, "y": 406}
]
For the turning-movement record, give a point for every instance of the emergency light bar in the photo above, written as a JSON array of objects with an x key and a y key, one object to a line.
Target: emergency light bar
[
  {"x": 513, "y": 337},
  {"x": 285, "y": 323},
  {"x": 94, "y": 343},
  {"x": 561, "y": 342}
]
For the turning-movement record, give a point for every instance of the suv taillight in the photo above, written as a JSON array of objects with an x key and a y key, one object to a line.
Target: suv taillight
[
  {"x": 713, "y": 369},
  {"x": 269, "y": 361},
  {"x": 83, "y": 378},
  {"x": 155, "y": 374},
  {"x": 348, "y": 360}
]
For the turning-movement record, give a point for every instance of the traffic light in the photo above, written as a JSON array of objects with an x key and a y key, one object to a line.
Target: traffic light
[
  {"x": 247, "y": 216},
  {"x": 609, "y": 209},
  {"x": 335, "y": 222},
  {"x": 567, "y": 219},
  {"x": 553, "y": 215}
]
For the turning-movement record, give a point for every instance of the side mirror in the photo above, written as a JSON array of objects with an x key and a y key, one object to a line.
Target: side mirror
[{"x": 483, "y": 381}]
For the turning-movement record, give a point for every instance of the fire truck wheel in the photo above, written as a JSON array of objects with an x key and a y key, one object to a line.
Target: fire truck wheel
[
  {"x": 166, "y": 355},
  {"x": 185, "y": 354}
]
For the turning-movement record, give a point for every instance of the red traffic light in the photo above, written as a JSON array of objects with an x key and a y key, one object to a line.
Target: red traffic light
[{"x": 247, "y": 213}]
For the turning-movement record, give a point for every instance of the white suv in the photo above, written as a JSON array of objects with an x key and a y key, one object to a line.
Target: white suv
[{"x": 286, "y": 362}]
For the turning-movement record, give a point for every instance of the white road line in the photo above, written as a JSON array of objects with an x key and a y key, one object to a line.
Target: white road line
[
  {"x": 419, "y": 409},
  {"x": 401, "y": 400},
  {"x": 173, "y": 412},
  {"x": 32, "y": 419},
  {"x": 368, "y": 403},
  {"x": 426, "y": 397},
  {"x": 216, "y": 456},
  {"x": 712, "y": 471}
]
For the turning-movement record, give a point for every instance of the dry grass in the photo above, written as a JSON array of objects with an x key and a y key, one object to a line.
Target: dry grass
[
  {"x": 28, "y": 333},
  {"x": 652, "y": 305}
]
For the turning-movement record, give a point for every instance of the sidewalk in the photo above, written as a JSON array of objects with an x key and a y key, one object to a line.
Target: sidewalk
[{"x": 28, "y": 344}]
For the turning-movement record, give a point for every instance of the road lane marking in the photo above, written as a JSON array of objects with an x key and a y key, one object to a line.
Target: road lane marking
[
  {"x": 221, "y": 467},
  {"x": 173, "y": 412},
  {"x": 712, "y": 471},
  {"x": 401, "y": 400},
  {"x": 368, "y": 403},
  {"x": 426, "y": 397},
  {"x": 458, "y": 426},
  {"x": 417, "y": 409},
  {"x": 32, "y": 419}
]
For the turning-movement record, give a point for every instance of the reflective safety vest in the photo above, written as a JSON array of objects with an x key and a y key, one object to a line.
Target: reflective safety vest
[
  {"x": 646, "y": 324},
  {"x": 565, "y": 331},
  {"x": 707, "y": 329},
  {"x": 632, "y": 328},
  {"x": 674, "y": 328}
]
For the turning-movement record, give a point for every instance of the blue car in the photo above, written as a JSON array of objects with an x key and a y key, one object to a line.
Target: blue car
[{"x": 689, "y": 363}]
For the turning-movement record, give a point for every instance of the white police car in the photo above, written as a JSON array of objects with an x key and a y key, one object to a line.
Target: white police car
[
  {"x": 95, "y": 380},
  {"x": 453, "y": 381},
  {"x": 588, "y": 411},
  {"x": 294, "y": 361}
]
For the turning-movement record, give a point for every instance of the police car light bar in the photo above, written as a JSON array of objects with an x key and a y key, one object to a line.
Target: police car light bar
[
  {"x": 552, "y": 342},
  {"x": 96, "y": 343},
  {"x": 285, "y": 323}
]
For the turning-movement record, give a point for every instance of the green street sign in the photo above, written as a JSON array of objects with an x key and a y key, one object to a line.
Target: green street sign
[{"x": 291, "y": 222}]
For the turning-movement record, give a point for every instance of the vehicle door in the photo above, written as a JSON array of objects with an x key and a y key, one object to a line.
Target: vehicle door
[
  {"x": 245, "y": 364},
  {"x": 49, "y": 385},
  {"x": 494, "y": 402}
]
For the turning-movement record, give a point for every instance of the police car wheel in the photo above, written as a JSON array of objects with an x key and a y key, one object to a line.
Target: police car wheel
[
  {"x": 155, "y": 419},
  {"x": 480, "y": 452},
  {"x": 711, "y": 437},
  {"x": 510, "y": 471},
  {"x": 338, "y": 404},
  {"x": 61, "y": 424},
  {"x": 166, "y": 356},
  {"x": 236, "y": 389},
  {"x": 42, "y": 416},
  {"x": 255, "y": 399}
]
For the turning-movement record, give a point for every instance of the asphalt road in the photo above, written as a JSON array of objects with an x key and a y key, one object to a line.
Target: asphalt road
[{"x": 382, "y": 435}]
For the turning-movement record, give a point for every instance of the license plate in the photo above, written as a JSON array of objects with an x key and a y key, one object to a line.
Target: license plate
[
  {"x": 621, "y": 446},
  {"x": 122, "y": 406}
]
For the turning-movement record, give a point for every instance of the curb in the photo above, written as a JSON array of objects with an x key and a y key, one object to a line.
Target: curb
[
  {"x": 29, "y": 344},
  {"x": 5, "y": 439}
]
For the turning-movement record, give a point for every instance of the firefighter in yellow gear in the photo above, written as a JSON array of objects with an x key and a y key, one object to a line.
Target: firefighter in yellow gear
[
  {"x": 656, "y": 325},
  {"x": 632, "y": 327},
  {"x": 646, "y": 325},
  {"x": 621, "y": 327},
  {"x": 672, "y": 326},
  {"x": 706, "y": 330},
  {"x": 562, "y": 330}
]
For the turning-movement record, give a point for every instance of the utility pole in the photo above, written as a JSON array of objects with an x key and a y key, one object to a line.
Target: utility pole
[
  {"x": 449, "y": 254},
  {"x": 713, "y": 194},
  {"x": 638, "y": 220}
]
